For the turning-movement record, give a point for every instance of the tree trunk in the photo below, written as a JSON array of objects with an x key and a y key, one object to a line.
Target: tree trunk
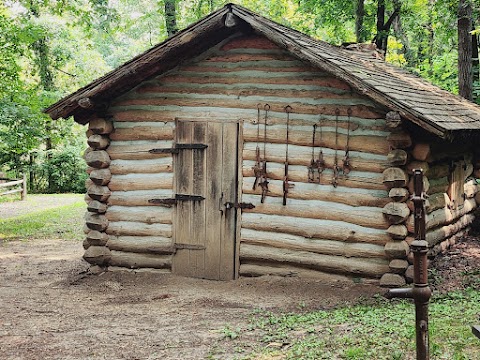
[
  {"x": 465, "y": 75},
  {"x": 359, "y": 15},
  {"x": 383, "y": 28},
  {"x": 171, "y": 17},
  {"x": 475, "y": 64},
  {"x": 402, "y": 36}
]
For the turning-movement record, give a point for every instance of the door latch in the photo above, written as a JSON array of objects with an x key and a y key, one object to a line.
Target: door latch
[{"x": 242, "y": 205}]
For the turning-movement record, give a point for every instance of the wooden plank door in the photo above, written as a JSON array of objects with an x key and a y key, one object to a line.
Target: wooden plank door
[{"x": 204, "y": 230}]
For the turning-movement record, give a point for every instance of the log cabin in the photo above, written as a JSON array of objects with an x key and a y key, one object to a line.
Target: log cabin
[{"x": 241, "y": 147}]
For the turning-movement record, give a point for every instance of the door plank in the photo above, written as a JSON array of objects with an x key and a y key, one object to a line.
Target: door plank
[
  {"x": 183, "y": 180},
  {"x": 214, "y": 200},
  {"x": 229, "y": 184},
  {"x": 197, "y": 258}
]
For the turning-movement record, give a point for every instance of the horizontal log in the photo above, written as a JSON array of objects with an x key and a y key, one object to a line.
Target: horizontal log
[
  {"x": 100, "y": 126},
  {"x": 325, "y": 138},
  {"x": 399, "y": 140},
  {"x": 421, "y": 151},
  {"x": 393, "y": 121},
  {"x": 435, "y": 236},
  {"x": 438, "y": 185},
  {"x": 397, "y": 157},
  {"x": 143, "y": 214},
  {"x": 255, "y": 270},
  {"x": 97, "y": 238},
  {"x": 100, "y": 193},
  {"x": 443, "y": 216},
  {"x": 141, "y": 182},
  {"x": 302, "y": 155},
  {"x": 314, "y": 228},
  {"x": 438, "y": 171},
  {"x": 396, "y": 213},
  {"x": 98, "y": 142},
  {"x": 98, "y": 207},
  {"x": 125, "y": 167},
  {"x": 100, "y": 176},
  {"x": 133, "y": 260},
  {"x": 320, "y": 246},
  {"x": 398, "y": 266},
  {"x": 97, "y": 255},
  {"x": 142, "y": 244},
  {"x": 96, "y": 221},
  {"x": 314, "y": 191},
  {"x": 445, "y": 244},
  {"x": 470, "y": 188},
  {"x": 131, "y": 228},
  {"x": 13, "y": 191},
  {"x": 138, "y": 197},
  {"x": 144, "y": 132},
  {"x": 394, "y": 177},
  {"x": 358, "y": 107},
  {"x": 11, "y": 183},
  {"x": 98, "y": 159},
  {"x": 137, "y": 150},
  {"x": 397, "y": 232},
  {"x": 397, "y": 249},
  {"x": 399, "y": 194},
  {"x": 314, "y": 209},
  {"x": 437, "y": 201},
  {"x": 299, "y": 173},
  {"x": 328, "y": 263},
  {"x": 392, "y": 280}
]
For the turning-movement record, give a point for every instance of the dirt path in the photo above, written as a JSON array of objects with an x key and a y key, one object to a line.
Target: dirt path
[
  {"x": 52, "y": 309},
  {"x": 36, "y": 203}
]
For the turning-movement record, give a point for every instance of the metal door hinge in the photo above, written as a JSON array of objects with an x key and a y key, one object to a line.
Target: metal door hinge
[
  {"x": 177, "y": 198},
  {"x": 176, "y": 149}
]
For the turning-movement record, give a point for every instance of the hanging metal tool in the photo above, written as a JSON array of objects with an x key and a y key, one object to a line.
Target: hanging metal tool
[
  {"x": 320, "y": 161},
  {"x": 286, "y": 184},
  {"x": 420, "y": 292},
  {"x": 346, "y": 159},
  {"x": 263, "y": 174},
  {"x": 316, "y": 167},
  {"x": 257, "y": 168},
  {"x": 336, "y": 168}
]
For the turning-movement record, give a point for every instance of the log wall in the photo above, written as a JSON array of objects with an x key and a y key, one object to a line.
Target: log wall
[
  {"x": 325, "y": 229},
  {"x": 358, "y": 228},
  {"x": 450, "y": 183}
]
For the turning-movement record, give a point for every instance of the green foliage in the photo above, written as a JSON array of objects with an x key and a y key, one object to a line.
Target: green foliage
[
  {"x": 60, "y": 222},
  {"x": 67, "y": 171},
  {"x": 376, "y": 329}
]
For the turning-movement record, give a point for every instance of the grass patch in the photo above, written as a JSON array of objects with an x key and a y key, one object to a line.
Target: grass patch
[
  {"x": 379, "y": 329},
  {"x": 64, "y": 222}
]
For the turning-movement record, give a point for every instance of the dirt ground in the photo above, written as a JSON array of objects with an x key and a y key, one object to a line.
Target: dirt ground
[{"x": 52, "y": 308}]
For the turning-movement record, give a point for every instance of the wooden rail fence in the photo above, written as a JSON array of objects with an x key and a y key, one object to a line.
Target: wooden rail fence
[{"x": 19, "y": 186}]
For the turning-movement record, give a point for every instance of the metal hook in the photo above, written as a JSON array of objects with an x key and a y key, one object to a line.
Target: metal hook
[
  {"x": 288, "y": 109},
  {"x": 266, "y": 107}
]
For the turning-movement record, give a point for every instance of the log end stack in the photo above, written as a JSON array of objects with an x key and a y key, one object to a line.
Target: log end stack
[
  {"x": 449, "y": 181},
  {"x": 98, "y": 160}
]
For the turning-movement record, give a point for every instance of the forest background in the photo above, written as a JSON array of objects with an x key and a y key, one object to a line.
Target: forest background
[{"x": 49, "y": 48}]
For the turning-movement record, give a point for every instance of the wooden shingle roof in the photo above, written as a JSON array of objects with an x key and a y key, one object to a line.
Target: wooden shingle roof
[{"x": 435, "y": 110}]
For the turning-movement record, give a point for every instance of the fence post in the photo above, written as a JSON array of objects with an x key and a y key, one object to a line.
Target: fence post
[{"x": 23, "y": 195}]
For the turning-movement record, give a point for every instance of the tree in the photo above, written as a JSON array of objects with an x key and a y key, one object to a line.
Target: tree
[
  {"x": 465, "y": 75},
  {"x": 171, "y": 17}
]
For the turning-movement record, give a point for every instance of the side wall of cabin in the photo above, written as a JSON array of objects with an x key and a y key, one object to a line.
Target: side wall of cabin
[{"x": 349, "y": 230}]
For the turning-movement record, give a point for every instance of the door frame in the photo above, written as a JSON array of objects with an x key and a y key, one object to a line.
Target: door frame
[{"x": 238, "y": 180}]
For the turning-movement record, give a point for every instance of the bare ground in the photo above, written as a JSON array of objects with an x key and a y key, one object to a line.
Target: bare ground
[
  {"x": 36, "y": 203},
  {"x": 52, "y": 308}
]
